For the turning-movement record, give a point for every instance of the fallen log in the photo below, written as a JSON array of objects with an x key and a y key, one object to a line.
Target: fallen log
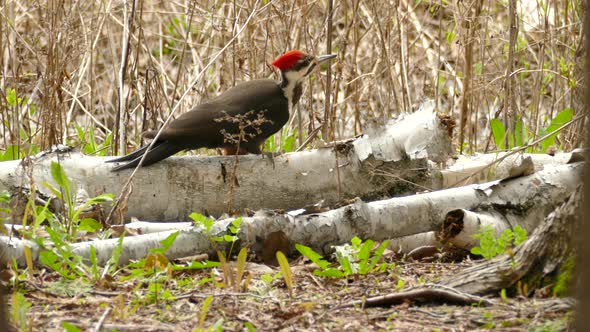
[
  {"x": 541, "y": 255},
  {"x": 378, "y": 220},
  {"x": 390, "y": 160},
  {"x": 461, "y": 225}
]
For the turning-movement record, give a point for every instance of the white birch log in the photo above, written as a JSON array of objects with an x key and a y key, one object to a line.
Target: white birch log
[
  {"x": 135, "y": 227},
  {"x": 393, "y": 159},
  {"x": 476, "y": 169},
  {"x": 14, "y": 248},
  {"x": 377, "y": 220},
  {"x": 542, "y": 254}
]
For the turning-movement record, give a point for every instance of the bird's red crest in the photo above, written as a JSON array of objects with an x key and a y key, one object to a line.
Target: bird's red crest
[{"x": 288, "y": 60}]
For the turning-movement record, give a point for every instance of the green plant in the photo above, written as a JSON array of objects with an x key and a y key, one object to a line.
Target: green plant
[
  {"x": 286, "y": 144},
  {"x": 231, "y": 238},
  {"x": 153, "y": 269},
  {"x": 207, "y": 224},
  {"x": 172, "y": 29},
  {"x": 552, "y": 325},
  {"x": 401, "y": 284},
  {"x": 559, "y": 120},
  {"x": 240, "y": 268},
  {"x": 564, "y": 278},
  {"x": 490, "y": 246},
  {"x": 249, "y": 327},
  {"x": 69, "y": 327},
  {"x": 21, "y": 275},
  {"x": 113, "y": 262},
  {"x": 204, "y": 311},
  {"x": 88, "y": 141},
  {"x": 196, "y": 265},
  {"x": 18, "y": 314},
  {"x": 12, "y": 99},
  {"x": 354, "y": 259},
  {"x": 233, "y": 278},
  {"x": 61, "y": 257},
  {"x": 155, "y": 263},
  {"x": 489, "y": 321},
  {"x": 269, "y": 278},
  {"x": 503, "y": 295},
  {"x": 66, "y": 192},
  {"x": 234, "y": 229},
  {"x": 286, "y": 270},
  {"x": 4, "y": 211},
  {"x": 12, "y": 152},
  {"x": 521, "y": 134},
  {"x": 201, "y": 220},
  {"x": 450, "y": 36},
  {"x": 156, "y": 292},
  {"x": 15, "y": 151}
]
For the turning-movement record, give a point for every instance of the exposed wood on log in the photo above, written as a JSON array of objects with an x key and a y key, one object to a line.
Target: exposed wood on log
[{"x": 461, "y": 225}]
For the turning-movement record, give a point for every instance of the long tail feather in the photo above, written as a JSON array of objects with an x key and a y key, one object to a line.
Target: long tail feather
[
  {"x": 161, "y": 151},
  {"x": 137, "y": 153}
]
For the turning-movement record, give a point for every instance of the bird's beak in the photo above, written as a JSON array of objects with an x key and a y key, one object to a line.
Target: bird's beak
[{"x": 323, "y": 58}]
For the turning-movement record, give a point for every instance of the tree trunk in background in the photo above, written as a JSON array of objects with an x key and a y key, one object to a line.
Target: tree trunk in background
[{"x": 583, "y": 291}]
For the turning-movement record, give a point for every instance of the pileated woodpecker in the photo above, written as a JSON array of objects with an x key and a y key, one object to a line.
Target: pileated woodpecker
[{"x": 239, "y": 120}]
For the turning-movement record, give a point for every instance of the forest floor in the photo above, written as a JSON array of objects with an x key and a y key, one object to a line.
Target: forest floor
[{"x": 195, "y": 300}]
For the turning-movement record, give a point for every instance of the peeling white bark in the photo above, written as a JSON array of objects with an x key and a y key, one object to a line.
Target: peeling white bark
[{"x": 145, "y": 227}]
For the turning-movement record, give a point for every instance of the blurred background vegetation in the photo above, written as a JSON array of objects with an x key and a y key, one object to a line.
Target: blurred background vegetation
[{"x": 95, "y": 74}]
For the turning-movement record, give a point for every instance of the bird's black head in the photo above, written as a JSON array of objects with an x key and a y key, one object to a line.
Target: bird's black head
[{"x": 295, "y": 66}]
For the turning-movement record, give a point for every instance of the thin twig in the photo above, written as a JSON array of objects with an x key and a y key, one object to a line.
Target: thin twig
[
  {"x": 100, "y": 322},
  {"x": 328, "y": 128},
  {"x": 311, "y": 136},
  {"x": 427, "y": 293}
]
